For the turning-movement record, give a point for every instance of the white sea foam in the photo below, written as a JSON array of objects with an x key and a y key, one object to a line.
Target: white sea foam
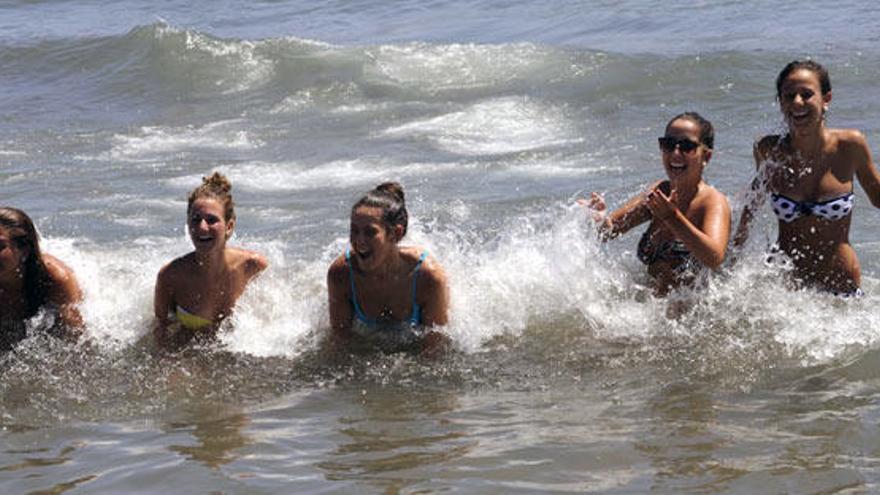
[
  {"x": 297, "y": 101},
  {"x": 495, "y": 126},
  {"x": 436, "y": 68},
  {"x": 340, "y": 95},
  {"x": 340, "y": 174},
  {"x": 151, "y": 142},
  {"x": 117, "y": 283},
  {"x": 539, "y": 269}
]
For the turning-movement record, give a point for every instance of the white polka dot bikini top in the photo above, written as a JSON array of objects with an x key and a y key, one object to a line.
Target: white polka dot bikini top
[{"x": 789, "y": 210}]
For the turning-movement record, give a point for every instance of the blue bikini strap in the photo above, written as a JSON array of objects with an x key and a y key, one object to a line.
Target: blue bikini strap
[
  {"x": 416, "y": 273},
  {"x": 416, "y": 314},
  {"x": 416, "y": 310},
  {"x": 354, "y": 298}
]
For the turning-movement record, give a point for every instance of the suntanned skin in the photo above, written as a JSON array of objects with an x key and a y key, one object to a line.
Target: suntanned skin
[
  {"x": 383, "y": 276},
  {"x": 206, "y": 282},
  {"x": 813, "y": 163},
  {"x": 692, "y": 211},
  {"x": 64, "y": 292}
]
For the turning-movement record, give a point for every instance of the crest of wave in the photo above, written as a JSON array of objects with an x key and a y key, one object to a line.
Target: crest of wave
[
  {"x": 206, "y": 64},
  {"x": 456, "y": 67}
]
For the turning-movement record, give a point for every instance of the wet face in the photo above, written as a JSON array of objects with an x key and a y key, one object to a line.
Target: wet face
[
  {"x": 801, "y": 100},
  {"x": 207, "y": 228},
  {"x": 683, "y": 155},
  {"x": 12, "y": 257},
  {"x": 371, "y": 241}
]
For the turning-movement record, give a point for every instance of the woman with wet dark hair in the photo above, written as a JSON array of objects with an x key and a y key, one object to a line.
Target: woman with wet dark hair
[
  {"x": 688, "y": 220},
  {"x": 809, "y": 173},
  {"x": 380, "y": 291},
  {"x": 31, "y": 280}
]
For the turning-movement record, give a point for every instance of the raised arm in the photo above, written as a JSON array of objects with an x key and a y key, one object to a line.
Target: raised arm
[
  {"x": 706, "y": 242},
  {"x": 756, "y": 198},
  {"x": 610, "y": 225}
]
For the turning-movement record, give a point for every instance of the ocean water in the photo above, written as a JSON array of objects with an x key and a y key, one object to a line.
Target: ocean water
[{"x": 495, "y": 116}]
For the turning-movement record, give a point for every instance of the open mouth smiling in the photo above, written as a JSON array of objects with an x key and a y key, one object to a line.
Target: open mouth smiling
[{"x": 799, "y": 116}]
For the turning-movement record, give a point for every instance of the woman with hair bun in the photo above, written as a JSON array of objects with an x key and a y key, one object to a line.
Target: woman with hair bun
[
  {"x": 196, "y": 292},
  {"x": 31, "y": 280},
  {"x": 380, "y": 291}
]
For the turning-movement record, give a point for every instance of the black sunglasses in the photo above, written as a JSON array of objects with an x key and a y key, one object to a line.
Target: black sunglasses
[{"x": 668, "y": 144}]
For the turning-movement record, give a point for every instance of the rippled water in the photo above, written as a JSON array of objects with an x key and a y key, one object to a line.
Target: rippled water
[{"x": 567, "y": 377}]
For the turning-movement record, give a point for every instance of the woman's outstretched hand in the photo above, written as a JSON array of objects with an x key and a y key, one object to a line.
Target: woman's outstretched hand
[{"x": 596, "y": 205}]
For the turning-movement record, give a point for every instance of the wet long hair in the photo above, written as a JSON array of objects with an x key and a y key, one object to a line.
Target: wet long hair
[
  {"x": 389, "y": 197},
  {"x": 22, "y": 232}
]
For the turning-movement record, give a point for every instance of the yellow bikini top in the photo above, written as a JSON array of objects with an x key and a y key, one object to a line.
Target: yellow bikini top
[{"x": 191, "y": 321}]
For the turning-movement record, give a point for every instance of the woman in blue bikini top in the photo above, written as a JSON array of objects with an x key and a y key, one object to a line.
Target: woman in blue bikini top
[
  {"x": 809, "y": 173},
  {"x": 380, "y": 291},
  {"x": 688, "y": 220}
]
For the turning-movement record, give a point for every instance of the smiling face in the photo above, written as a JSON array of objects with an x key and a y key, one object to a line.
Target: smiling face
[
  {"x": 371, "y": 240},
  {"x": 12, "y": 257},
  {"x": 680, "y": 164},
  {"x": 207, "y": 227},
  {"x": 802, "y": 102}
]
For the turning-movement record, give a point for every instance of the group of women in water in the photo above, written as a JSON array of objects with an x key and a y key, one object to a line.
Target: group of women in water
[{"x": 386, "y": 294}]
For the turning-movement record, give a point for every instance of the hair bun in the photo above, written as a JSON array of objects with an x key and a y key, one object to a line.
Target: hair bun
[
  {"x": 393, "y": 189},
  {"x": 217, "y": 182}
]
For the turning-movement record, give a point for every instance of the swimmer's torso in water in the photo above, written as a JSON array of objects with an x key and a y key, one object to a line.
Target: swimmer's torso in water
[{"x": 384, "y": 330}]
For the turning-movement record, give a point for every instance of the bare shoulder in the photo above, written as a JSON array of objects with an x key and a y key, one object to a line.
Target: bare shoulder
[
  {"x": 714, "y": 199},
  {"x": 850, "y": 141},
  {"x": 850, "y": 137},
  {"x": 766, "y": 145},
  {"x": 57, "y": 269},
  {"x": 431, "y": 273},
  {"x": 250, "y": 262},
  {"x": 714, "y": 196},
  {"x": 852, "y": 147},
  {"x": 338, "y": 271},
  {"x": 177, "y": 267},
  {"x": 63, "y": 278}
]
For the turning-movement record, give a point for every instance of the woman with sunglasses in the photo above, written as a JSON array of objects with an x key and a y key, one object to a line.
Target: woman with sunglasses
[
  {"x": 689, "y": 221},
  {"x": 809, "y": 173}
]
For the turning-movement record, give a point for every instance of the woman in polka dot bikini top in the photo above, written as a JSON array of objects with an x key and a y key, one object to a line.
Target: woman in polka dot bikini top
[{"x": 809, "y": 173}]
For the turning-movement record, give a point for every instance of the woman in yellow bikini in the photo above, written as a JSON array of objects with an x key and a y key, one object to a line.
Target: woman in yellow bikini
[{"x": 196, "y": 292}]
